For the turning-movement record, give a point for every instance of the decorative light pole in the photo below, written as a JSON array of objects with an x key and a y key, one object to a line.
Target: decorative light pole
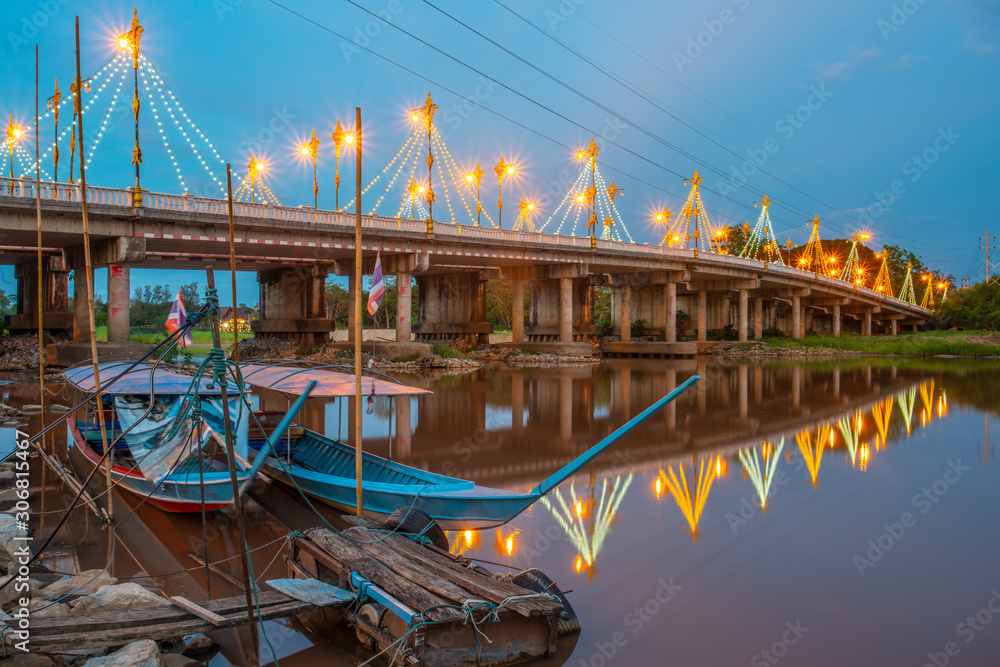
[
  {"x": 591, "y": 153},
  {"x": 527, "y": 208},
  {"x": 74, "y": 88},
  {"x": 254, "y": 167},
  {"x": 428, "y": 116},
  {"x": 502, "y": 169},
  {"x": 477, "y": 178},
  {"x": 663, "y": 218},
  {"x": 414, "y": 189},
  {"x": 695, "y": 181},
  {"x": 311, "y": 149},
  {"x": 54, "y": 106},
  {"x": 14, "y": 133},
  {"x": 612, "y": 192},
  {"x": 129, "y": 41},
  {"x": 340, "y": 137}
]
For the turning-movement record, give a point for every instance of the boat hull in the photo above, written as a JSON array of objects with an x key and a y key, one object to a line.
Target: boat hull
[{"x": 179, "y": 493}]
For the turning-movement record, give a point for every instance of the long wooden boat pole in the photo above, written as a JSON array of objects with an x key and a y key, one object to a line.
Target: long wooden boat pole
[
  {"x": 88, "y": 269},
  {"x": 358, "y": 454},
  {"x": 232, "y": 259},
  {"x": 237, "y": 500},
  {"x": 38, "y": 278}
]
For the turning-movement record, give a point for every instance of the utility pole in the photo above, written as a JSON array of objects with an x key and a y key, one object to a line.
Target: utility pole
[{"x": 995, "y": 266}]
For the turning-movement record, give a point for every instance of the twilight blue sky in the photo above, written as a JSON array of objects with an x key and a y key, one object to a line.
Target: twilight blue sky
[{"x": 878, "y": 115}]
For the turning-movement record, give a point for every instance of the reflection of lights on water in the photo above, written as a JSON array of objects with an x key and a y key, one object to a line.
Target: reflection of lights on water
[
  {"x": 831, "y": 437},
  {"x": 510, "y": 545},
  {"x": 579, "y": 563},
  {"x": 658, "y": 486},
  {"x": 464, "y": 541},
  {"x": 864, "y": 457},
  {"x": 505, "y": 545},
  {"x": 468, "y": 538},
  {"x": 579, "y": 508}
]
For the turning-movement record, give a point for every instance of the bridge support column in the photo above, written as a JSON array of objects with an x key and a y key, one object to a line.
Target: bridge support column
[
  {"x": 626, "y": 318},
  {"x": 702, "y": 316},
  {"x": 742, "y": 323},
  {"x": 118, "y": 303},
  {"x": 565, "y": 310},
  {"x": 81, "y": 313},
  {"x": 893, "y": 328},
  {"x": 404, "y": 307},
  {"x": 836, "y": 321},
  {"x": 452, "y": 306},
  {"x": 796, "y": 317},
  {"x": 758, "y": 318},
  {"x": 293, "y": 306},
  {"x": 866, "y": 324},
  {"x": 56, "y": 317},
  {"x": 517, "y": 316},
  {"x": 670, "y": 292}
]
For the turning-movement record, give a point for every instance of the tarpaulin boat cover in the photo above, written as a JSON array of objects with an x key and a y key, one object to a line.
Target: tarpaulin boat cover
[
  {"x": 294, "y": 380},
  {"x": 142, "y": 379}
]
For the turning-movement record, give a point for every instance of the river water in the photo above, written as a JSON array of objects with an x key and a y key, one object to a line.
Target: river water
[{"x": 829, "y": 513}]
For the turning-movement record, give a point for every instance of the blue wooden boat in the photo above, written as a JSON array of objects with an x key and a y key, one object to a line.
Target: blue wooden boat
[
  {"x": 176, "y": 473},
  {"x": 324, "y": 468}
]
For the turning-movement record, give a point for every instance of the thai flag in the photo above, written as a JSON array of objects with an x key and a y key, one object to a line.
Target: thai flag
[
  {"x": 378, "y": 286},
  {"x": 177, "y": 318}
]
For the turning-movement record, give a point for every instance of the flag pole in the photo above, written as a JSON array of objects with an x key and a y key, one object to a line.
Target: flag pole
[{"x": 357, "y": 311}]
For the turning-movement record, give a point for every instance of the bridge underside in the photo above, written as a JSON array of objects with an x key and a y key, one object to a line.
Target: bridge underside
[{"x": 671, "y": 291}]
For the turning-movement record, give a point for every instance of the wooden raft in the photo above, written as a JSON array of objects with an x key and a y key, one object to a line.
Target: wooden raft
[
  {"x": 440, "y": 588},
  {"x": 183, "y": 617}
]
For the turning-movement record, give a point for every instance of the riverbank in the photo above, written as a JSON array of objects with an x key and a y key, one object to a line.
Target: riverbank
[{"x": 910, "y": 344}]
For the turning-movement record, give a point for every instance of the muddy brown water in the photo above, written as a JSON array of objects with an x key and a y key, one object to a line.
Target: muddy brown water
[{"x": 831, "y": 513}]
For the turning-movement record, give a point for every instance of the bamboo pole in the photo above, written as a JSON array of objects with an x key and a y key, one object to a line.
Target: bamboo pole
[
  {"x": 358, "y": 454},
  {"x": 90, "y": 272},
  {"x": 232, "y": 260},
  {"x": 41, "y": 290},
  {"x": 237, "y": 498}
]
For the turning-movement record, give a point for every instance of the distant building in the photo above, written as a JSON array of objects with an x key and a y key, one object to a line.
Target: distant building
[{"x": 228, "y": 319}]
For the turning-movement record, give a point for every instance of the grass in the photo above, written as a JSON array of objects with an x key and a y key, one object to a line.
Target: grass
[
  {"x": 448, "y": 351},
  {"x": 200, "y": 338},
  {"x": 929, "y": 343},
  {"x": 408, "y": 358}
]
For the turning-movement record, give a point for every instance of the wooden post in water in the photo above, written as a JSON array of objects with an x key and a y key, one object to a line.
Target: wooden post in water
[
  {"x": 237, "y": 499},
  {"x": 41, "y": 290},
  {"x": 232, "y": 260},
  {"x": 78, "y": 101},
  {"x": 357, "y": 311}
]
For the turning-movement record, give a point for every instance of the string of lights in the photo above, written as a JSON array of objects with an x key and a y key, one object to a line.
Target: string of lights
[
  {"x": 159, "y": 127},
  {"x": 107, "y": 115}
]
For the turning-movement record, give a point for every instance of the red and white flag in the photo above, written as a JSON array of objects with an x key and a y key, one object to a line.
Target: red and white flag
[
  {"x": 378, "y": 286},
  {"x": 177, "y": 318}
]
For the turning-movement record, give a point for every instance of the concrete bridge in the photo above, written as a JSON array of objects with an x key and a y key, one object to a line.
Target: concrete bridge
[{"x": 294, "y": 249}]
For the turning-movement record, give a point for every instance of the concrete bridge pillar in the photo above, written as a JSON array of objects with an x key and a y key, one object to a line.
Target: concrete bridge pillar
[
  {"x": 452, "y": 305},
  {"x": 81, "y": 314},
  {"x": 702, "y": 316},
  {"x": 626, "y": 310},
  {"x": 55, "y": 298},
  {"x": 893, "y": 328},
  {"x": 118, "y": 303},
  {"x": 517, "y": 316},
  {"x": 758, "y": 318},
  {"x": 565, "y": 310},
  {"x": 866, "y": 324},
  {"x": 404, "y": 307},
  {"x": 796, "y": 317},
  {"x": 670, "y": 294},
  {"x": 742, "y": 324},
  {"x": 836, "y": 320},
  {"x": 293, "y": 305}
]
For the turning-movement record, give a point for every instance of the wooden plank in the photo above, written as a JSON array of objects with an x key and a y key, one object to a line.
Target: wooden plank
[
  {"x": 116, "y": 619},
  {"x": 359, "y": 561},
  {"x": 125, "y": 635},
  {"x": 312, "y": 590},
  {"x": 481, "y": 585},
  {"x": 200, "y": 612},
  {"x": 377, "y": 548}
]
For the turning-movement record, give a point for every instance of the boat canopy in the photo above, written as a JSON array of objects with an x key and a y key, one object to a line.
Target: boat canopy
[
  {"x": 294, "y": 380},
  {"x": 143, "y": 379}
]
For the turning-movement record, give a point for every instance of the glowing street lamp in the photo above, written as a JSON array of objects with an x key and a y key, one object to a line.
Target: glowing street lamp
[
  {"x": 502, "y": 169},
  {"x": 340, "y": 137},
  {"x": 414, "y": 189},
  {"x": 14, "y": 133},
  {"x": 527, "y": 208},
  {"x": 311, "y": 149},
  {"x": 477, "y": 178},
  {"x": 129, "y": 42},
  {"x": 254, "y": 167}
]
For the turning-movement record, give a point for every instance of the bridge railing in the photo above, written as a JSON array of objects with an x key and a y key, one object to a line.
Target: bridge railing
[{"x": 189, "y": 203}]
